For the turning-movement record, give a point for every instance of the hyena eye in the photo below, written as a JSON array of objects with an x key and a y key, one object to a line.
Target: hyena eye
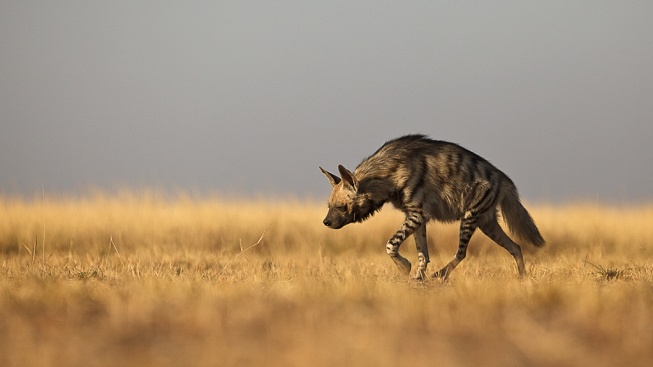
[{"x": 341, "y": 208}]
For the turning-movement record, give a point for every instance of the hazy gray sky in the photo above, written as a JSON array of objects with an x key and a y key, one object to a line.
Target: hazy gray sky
[{"x": 251, "y": 96}]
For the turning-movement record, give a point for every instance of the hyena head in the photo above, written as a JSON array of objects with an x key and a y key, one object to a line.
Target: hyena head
[{"x": 346, "y": 204}]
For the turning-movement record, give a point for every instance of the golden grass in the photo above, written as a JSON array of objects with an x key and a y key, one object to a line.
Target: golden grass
[{"x": 139, "y": 279}]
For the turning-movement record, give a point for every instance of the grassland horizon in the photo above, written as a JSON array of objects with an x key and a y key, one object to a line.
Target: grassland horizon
[{"x": 141, "y": 278}]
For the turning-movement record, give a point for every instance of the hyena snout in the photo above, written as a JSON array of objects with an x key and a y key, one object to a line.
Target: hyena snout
[
  {"x": 331, "y": 223},
  {"x": 335, "y": 221}
]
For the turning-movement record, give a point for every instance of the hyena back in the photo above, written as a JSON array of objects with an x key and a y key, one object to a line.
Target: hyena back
[{"x": 429, "y": 179}]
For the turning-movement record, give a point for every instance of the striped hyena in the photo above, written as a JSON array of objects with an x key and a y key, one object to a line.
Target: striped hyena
[{"x": 429, "y": 179}]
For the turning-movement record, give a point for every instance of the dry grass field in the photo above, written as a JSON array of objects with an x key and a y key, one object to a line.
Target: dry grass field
[{"x": 140, "y": 279}]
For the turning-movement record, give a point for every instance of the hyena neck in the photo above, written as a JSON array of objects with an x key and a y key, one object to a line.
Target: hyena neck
[
  {"x": 366, "y": 209},
  {"x": 375, "y": 189}
]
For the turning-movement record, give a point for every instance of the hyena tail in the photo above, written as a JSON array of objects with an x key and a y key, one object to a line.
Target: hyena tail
[{"x": 517, "y": 217}]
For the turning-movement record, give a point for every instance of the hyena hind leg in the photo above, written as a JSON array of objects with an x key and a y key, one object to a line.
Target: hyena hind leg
[
  {"x": 467, "y": 228},
  {"x": 493, "y": 230}
]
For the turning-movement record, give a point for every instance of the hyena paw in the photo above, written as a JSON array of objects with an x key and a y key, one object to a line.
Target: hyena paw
[
  {"x": 420, "y": 275},
  {"x": 442, "y": 274},
  {"x": 403, "y": 264}
]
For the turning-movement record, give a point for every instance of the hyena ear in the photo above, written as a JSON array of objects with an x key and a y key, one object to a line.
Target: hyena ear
[
  {"x": 332, "y": 178},
  {"x": 348, "y": 177}
]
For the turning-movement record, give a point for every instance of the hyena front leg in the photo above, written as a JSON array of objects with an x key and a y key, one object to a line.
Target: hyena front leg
[
  {"x": 414, "y": 220},
  {"x": 422, "y": 251}
]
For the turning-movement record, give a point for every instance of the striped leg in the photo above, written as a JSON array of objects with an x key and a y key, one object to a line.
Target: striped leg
[
  {"x": 422, "y": 252},
  {"x": 467, "y": 227},
  {"x": 413, "y": 221}
]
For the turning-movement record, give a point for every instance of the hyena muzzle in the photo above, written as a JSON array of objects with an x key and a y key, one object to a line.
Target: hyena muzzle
[{"x": 431, "y": 180}]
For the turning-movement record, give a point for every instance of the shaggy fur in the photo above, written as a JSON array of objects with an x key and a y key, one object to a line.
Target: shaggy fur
[{"x": 430, "y": 179}]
